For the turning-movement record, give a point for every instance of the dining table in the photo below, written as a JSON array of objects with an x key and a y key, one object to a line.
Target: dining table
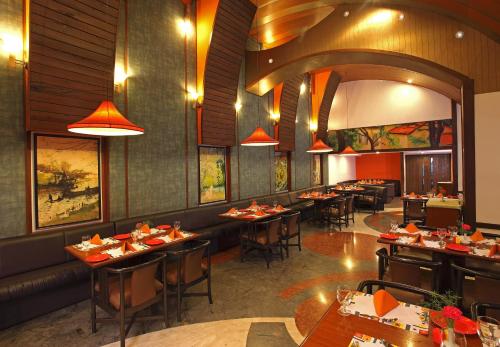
[
  {"x": 336, "y": 330},
  {"x": 319, "y": 200}
]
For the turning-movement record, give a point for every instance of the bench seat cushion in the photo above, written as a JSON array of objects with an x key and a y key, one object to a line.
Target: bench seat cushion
[{"x": 48, "y": 278}]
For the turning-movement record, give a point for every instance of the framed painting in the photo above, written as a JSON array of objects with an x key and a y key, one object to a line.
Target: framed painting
[
  {"x": 316, "y": 170},
  {"x": 281, "y": 172},
  {"x": 212, "y": 174},
  {"x": 66, "y": 180}
]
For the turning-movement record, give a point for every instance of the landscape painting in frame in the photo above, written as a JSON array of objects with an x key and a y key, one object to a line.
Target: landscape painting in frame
[
  {"x": 281, "y": 172},
  {"x": 212, "y": 174},
  {"x": 67, "y": 185},
  {"x": 316, "y": 174}
]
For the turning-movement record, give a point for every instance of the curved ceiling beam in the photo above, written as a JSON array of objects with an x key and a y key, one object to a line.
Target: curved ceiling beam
[
  {"x": 376, "y": 36},
  {"x": 326, "y": 104}
]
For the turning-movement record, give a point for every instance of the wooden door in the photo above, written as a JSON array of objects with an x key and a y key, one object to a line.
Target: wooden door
[{"x": 424, "y": 171}]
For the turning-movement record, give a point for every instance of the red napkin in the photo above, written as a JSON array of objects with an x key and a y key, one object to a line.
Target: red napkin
[
  {"x": 130, "y": 247},
  {"x": 384, "y": 302},
  {"x": 411, "y": 228},
  {"x": 493, "y": 251},
  {"x": 163, "y": 227},
  {"x": 260, "y": 213},
  {"x": 96, "y": 240},
  {"x": 477, "y": 236},
  {"x": 279, "y": 208}
]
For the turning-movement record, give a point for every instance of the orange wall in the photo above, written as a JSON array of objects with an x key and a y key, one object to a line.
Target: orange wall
[{"x": 383, "y": 165}]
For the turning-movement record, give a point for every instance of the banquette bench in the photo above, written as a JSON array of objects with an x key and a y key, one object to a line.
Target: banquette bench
[{"x": 37, "y": 276}]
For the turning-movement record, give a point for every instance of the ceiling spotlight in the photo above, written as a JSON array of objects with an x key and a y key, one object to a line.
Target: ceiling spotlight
[
  {"x": 270, "y": 61},
  {"x": 409, "y": 80},
  {"x": 346, "y": 13},
  {"x": 401, "y": 16},
  {"x": 459, "y": 34}
]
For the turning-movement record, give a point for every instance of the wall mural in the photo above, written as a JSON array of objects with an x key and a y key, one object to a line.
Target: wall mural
[
  {"x": 430, "y": 134},
  {"x": 212, "y": 174},
  {"x": 67, "y": 180},
  {"x": 281, "y": 172},
  {"x": 316, "y": 173}
]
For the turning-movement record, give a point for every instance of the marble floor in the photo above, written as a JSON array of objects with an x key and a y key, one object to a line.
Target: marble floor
[{"x": 253, "y": 306}]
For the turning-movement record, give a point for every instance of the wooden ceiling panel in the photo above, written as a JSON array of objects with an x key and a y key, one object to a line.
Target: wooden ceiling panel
[{"x": 288, "y": 113}]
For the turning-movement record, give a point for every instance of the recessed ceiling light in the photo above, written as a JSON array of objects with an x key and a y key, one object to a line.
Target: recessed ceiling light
[
  {"x": 346, "y": 13},
  {"x": 401, "y": 16},
  {"x": 270, "y": 60},
  {"x": 409, "y": 80},
  {"x": 459, "y": 34}
]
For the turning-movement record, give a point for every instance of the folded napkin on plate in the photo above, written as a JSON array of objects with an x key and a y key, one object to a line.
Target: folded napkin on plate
[
  {"x": 174, "y": 234},
  {"x": 412, "y": 194},
  {"x": 260, "y": 213},
  {"x": 493, "y": 250},
  {"x": 96, "y": 240},
  {"x": 485, "y": 252},
  {"x": 232, "y": 211},
  {"x": 145, "y": 229},
  {"x": 303, "y": 195},
  {"x": 279, "y": 208},
  {"x": 411, "y": 228},
  {"x": 477, "y": 236},
  {"x": 384, "y": 302},
  {"x": 130, "y": 248}
]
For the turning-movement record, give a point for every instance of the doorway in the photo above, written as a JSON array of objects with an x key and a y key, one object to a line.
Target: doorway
[{"x": 423, "y": 172}]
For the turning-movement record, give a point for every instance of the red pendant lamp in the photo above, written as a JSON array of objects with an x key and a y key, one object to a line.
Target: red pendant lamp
[
  {"x": 259, "y": 138},
  {"x": 319, "y": 147},
  {"x": 106, "y": 120},
  {"x": 349, "y": 151}
]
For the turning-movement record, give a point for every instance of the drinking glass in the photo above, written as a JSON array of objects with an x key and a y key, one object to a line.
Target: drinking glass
[
  {"x": 441, "y": 232},
  {"x": 177, "y": 225},
  {"x": 457, "y": 340},
  {"x": 488, "y": 330},
  {"x": 275, "y": 204},
  {"x": 394, "y": 226},
  {"x": 453, "y": 230},
  {"x": 86, "y": 241},
  {"x": 343, "y": 293}
]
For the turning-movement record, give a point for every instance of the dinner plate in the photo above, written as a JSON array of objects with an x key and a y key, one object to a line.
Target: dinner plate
[
  {"x": 154, "y": 242},
  {"x": 463, "y": 325},
  {"x": 389, "y": 236},
  {"x": 95, "y": 258},
  {"x": 121, "y": 236},
  {"x": 164, "y": 227},
  {"x": 457, "y": 247}
]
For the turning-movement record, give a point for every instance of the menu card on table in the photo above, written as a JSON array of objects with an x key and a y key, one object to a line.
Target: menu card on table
[{"x": 360, "y": 340}]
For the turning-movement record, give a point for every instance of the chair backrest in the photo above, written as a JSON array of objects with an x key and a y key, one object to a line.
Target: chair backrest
[
  {"x": 291, "y": 222},
  {"x": 272, "y": 229},
  {"x": 485, "y": 309},
  {"x": 415, "y": 206},
  {"x": 191, "y": 259},
  {"x": 400, "y": 291},
  {"x": 350, "y": 203},
  {"x": 485, "y": 286},
  {"x": 341, "y": 206}
]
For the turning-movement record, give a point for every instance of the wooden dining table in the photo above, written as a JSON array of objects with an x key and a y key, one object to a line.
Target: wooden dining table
[{"x": 336, "y": 330}]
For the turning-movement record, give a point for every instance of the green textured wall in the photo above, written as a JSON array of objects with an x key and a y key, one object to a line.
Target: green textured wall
[
  {"x": 12, "y": 134},
  {"x": 302, "y": 168}
]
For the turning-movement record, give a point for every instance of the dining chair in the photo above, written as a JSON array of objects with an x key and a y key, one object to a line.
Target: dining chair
[
  {"x": 368, "y": 201},
  {"x": 414, "y": 210},
  {"x": 264, "y": 236},
  {"x": 290, "y": 229},
  {"x": 349, "y": 210},
  {"x": 402, "y": 292},
  {"x": 337, "y": 213},
  {"x": 475, "y": 285},
  {"x": 407, "y": 270},
  {"x": 485, "y": 309},
  {"x": 190, "y": 264},
  {"x": 123, "y": 292}
]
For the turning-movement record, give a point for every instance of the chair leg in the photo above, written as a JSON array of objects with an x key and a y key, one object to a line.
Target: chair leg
[
  {"x": 122, "y": 326},
  {"x": 281, "y": 250},
  {"x": 286, "y": 247},
  {"x": 300, "y": 247},
  {"x": 268, "y": 258},
  {"x": 93, "y": 316},
  {"x": 178, "y": 301},
  {"x": 241, "y": 250},
  {"x": 209, "y": 283}
]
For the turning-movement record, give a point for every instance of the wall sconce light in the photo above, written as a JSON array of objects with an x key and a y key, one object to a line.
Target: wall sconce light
[
  {"x": 275, "y": 117},
  {"x": 302, "y": 88},
  {"x": 313, "y": 126},
  {"x": 237, "y": 106},
  {"x": 12, "y": 48},
  {"x": 193, "y": 95},
  {"x": 120, "y": 77},
  {"x": 185, "y": 27}
]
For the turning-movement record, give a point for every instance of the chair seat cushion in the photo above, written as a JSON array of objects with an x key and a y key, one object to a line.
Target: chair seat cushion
[
  {"x": 33, "y": 282},
  {"x": 114, "y": 290}
]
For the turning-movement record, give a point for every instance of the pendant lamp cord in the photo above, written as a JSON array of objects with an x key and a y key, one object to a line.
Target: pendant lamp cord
[
  {"x": 347, "y": 107},
  {"x": 258, "y": 69}
]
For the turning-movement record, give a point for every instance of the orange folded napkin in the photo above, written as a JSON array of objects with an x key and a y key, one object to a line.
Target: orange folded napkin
[
  {"x": 412, "y": 194},
  {"x": 384, "y": 302},
  {"x": 130, "y": 247},
  {"x": 145, "y": 228},
  {"x": 493, "y": 251},
  {"x": 477, "y": 236},
  {"x": 303, "y": 195},
  {"x": 96, "y": 240},
  {"x": 411, "y": 228},
  {"x": 260, "y": 213},
  {"x": 232, "y": 210},
  {"x": 279, "y": 208},
  {"x": 178, "y": 234},
  {"x": 124, "y": 247}
]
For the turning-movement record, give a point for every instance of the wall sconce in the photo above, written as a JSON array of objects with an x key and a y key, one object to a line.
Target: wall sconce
[
  {"x": 302, "y": 88},
  {"x": 313, "y": 126},
  {"x": 185, "y": 27},
  {"x": 275, "y": 117},
  {"x": 237, "y": 106},
  {"x": 12, "y": 48},
  {"x": 194, "y": 96},
  {"x": 119, "y": 78}
]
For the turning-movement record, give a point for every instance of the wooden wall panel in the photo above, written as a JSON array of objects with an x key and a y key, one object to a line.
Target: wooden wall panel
[
  {"x": 218, "y": 116},
  {"x": 326, "y": 104},
  {"x": 71, "y": 60},
  {"x": 288, "y": 112}
]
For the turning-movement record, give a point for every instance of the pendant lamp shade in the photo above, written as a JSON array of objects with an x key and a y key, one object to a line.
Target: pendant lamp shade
[
  {"x": 106, "y": 120},
  {"x": 319, "y": 147},
  {"x": 259, "y": 138},
  {"x": 349, "y": 151}
]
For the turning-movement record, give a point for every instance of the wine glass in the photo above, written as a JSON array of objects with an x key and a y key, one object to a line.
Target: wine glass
[
  {"x": 441, "y": 233},
  {"x": 488, "y": 330},
  {"x": 275, "y": 204},
  {"x": 86, "y": 241},
  {"x": 343, "y": 293},
  {"x": 394, "y": 226},
  {"x": 177, "y": 225}
]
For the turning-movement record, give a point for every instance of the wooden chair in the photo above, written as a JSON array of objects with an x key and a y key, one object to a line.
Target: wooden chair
[
  {"x": 291, "y": 229},
  {"x": 485, "y": 309},
  {"x": 368, "y": 201},
  {"x": 414, "y": 211},
  {"x": 407, "y": 270},
  {"x": 191, "y": 265},
  {"x": 402, "y": 292},
  {"x": 123, "y": 292},
  {"x": 337, "y": 213},
  {"x": 349, "y": 210},
  {"x": 264, "y": 236},
  {"x": 473, "y": 285}
]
